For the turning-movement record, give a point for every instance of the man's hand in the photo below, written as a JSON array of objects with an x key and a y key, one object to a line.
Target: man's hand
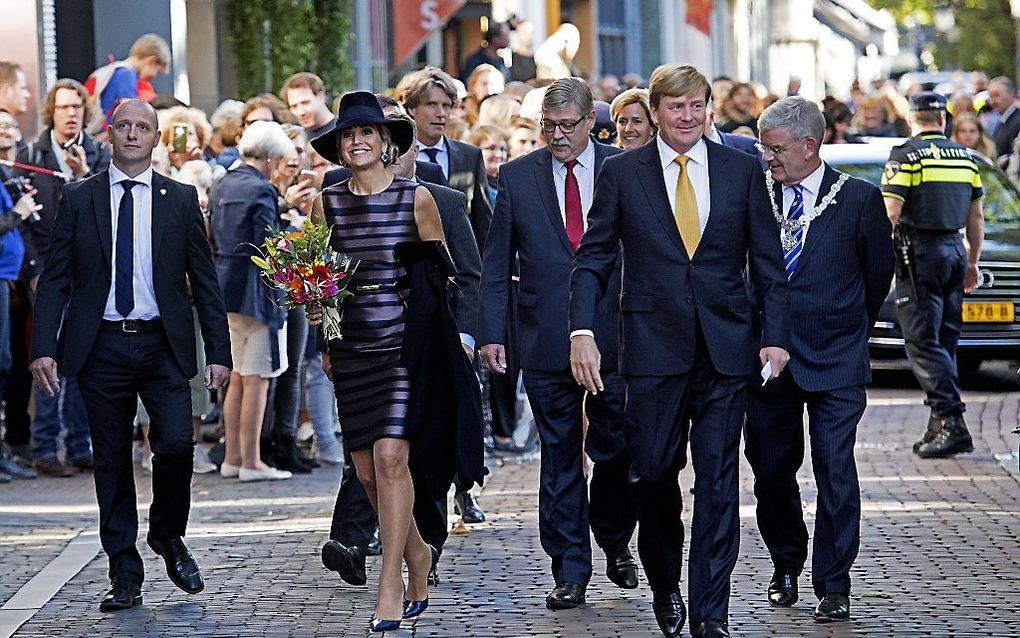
[
  {"x": 469, "y": 351},
  {"x": 585, "y": 361},
  {"x": 26, "y": 205},
  {"x": 216, "y": 376},
  {"x": 970, "y": 280},
  {"x": 75, "y": 158},
  {"x": 777, "y": 356},
  {"x": 314, "y": 313},
  {"x": 327, "y": 367},
  {"x": 494, "y": 358},
  {"x": 44, "y": 371}
]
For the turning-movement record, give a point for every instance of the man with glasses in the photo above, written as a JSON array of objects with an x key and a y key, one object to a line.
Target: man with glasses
[
  {"x": 839, "y": 259},
  {"x": 541, "y": 209},
  {"x": 65, "y": 147}
]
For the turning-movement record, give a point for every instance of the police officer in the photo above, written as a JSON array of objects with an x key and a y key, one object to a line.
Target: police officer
[{"x": 932, "y": 189}]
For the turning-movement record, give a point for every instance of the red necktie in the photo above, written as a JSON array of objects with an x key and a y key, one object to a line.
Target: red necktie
[
  {"x": 432, "y": 153},
  {"x": 572, "y": 206}
]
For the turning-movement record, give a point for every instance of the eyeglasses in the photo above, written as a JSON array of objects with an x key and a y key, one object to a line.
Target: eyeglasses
[
  {"x": 566, "y": 127},
  {"x": 7, "y": 125},
  {"x": 775, "y": 149}
]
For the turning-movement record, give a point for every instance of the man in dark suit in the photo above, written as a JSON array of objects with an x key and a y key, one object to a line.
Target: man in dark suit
[
  {"x": 687, "y": 346},
  {"x": 1002, "y": 99},
  {"x": 113, "y": 310},
  {"x": 354, "y": 521},
  {"x": 839, "y": 261},
  {"x": 540, "y": 205}
]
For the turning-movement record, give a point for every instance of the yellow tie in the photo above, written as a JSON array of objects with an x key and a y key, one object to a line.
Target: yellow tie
[{"x": 686, "y": 208}]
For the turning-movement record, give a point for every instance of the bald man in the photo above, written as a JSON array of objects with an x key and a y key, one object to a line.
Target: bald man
[{"x": 126, "y": 242}]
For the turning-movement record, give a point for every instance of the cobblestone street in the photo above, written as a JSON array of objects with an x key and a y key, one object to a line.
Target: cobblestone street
[{"x": 940, "y": 552}]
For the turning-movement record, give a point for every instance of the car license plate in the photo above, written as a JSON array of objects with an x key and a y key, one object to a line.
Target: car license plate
[{"x": 987, "y": 312}]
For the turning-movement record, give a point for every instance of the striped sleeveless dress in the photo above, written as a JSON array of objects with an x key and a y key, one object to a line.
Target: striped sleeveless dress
[{"x": 371, "y": 386}]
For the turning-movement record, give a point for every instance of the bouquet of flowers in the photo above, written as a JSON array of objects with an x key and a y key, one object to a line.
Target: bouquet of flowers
[{"x": 307, "y": 270}]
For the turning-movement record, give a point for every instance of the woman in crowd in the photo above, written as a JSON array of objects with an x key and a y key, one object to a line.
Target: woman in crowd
[
  {"x": 495, "y": 152},
  {"x": 498, "y": 110},
  {"x": 198, "y": 133},
  {"x": 244, "y": 206},
  {"x": 484, "y": 81},
  {"x": 837, "y": 124},
  {"x": 371, "y": 213},
  {"x": 740, "y": 107},
  {"x": 633, "y": 118},
  {"x": 970, "y": 133},
  {"x": 524, "y": 137}
]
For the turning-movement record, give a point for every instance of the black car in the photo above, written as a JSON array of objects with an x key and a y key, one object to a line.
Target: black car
[{"x": 991, "y": 329}]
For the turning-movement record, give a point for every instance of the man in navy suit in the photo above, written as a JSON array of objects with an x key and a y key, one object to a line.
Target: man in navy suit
[
  {"x": 690, "y": 215},
  {"x": 540, "y": 206},
  {"x": 839, "y": 260},
  {"x": 113, "y": 309}
]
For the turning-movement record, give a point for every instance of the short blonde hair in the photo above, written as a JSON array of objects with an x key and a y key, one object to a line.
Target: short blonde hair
[
  {"x": 677, "y": 80},
  {"x": 480, "y": 134},
  {"x": 413, "y": 89},
  {"x": 151, "y": 45},
  {"x": 498, "y": 109},
  {"x": 628, "y": 97},
  {"x": 194, "y": 118}
]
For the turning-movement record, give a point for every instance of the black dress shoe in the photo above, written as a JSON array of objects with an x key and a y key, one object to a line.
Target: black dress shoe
[
  {"x": 833, "y": 608},
  {"x": 125, "y": 593},
  {"x": 670, "y": 612},
  {"x": 180, "y": 564},
  {"x": 566, "y": 595},
  {"x": 783, "y": 590},
  {"x": 713, "y": 628},
  {"x": 465, "y": 504},
  {"x": 346, "y": 560},
  {"x": 621, "y": 568},
  {"x": 374, "y": 547}
]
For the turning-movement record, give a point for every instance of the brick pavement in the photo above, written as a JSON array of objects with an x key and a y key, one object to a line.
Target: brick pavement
[{"x": 940, "y": 553}]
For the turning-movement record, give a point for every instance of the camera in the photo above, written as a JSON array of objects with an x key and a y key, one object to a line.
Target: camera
[{"x": 17, "y": 187}]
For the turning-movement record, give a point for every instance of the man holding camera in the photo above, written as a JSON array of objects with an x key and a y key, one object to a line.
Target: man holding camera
[{"x": 63, "y": 146}]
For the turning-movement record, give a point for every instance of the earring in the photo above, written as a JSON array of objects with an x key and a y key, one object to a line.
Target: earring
[{"x": 385, "y": 158}]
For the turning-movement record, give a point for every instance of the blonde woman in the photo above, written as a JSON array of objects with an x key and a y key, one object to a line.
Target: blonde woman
[{"x": 633, "y": 119}]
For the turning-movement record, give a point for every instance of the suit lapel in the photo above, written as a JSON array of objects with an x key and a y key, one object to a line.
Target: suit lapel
[
  {"x": 159, "y": 213},
  {"x": 816, "y": 232},
  {"x": 655, "y": 189},
  {"x": 454, "y": 158},
  {"x": 101, "y": 206},
  {"x": 547, "y": 191},
  {"x": 717, "y": 188}
]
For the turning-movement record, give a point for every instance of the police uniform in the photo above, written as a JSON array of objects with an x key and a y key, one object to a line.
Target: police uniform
[{"x": 937, "y": 181}]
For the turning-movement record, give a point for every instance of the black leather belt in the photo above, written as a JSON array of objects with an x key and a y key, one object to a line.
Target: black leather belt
[{"x": 133, "y": 325}]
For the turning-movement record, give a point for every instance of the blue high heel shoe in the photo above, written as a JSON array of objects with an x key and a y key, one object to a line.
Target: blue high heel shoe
[
  {"x": 415, "y": 608},
  {"x": 379, "y": 626}
]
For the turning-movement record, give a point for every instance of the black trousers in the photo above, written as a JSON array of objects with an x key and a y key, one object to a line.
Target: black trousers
[
  {"x": 121, "y": 368},
  {"x": 565, "y": 516},
  {"x": 932, "y": 323},
  {"x": 774, "y": 436},
  {"x": 664, "y": 414}
]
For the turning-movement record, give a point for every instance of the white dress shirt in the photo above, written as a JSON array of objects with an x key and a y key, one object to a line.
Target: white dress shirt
[
  {"x": 442, "y": 157},
  {"x": 145, "y": 295},
  {"x": 697, "y": 172},
  {"x": 584, "y": 171},
  {"x": 810, "y": 187}
]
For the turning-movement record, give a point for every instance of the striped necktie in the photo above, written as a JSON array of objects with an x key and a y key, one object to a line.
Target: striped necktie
[{"x": 792, "y": 255}]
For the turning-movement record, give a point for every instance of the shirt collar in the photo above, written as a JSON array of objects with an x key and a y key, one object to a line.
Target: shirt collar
[
  {"x": 698, "y": 153},
  {"x": 586, "y": 159},
  {"x": 117, "y": 176},
  {"x": 813, "y": 182},
  {"x": 440, "y": 145},
  {"x": 1009, "y": 111}
]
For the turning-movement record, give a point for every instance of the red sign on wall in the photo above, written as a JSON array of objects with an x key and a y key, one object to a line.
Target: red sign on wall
[
  {"x": 414, "y": 20},
  {"x": 699, "y": 15}
]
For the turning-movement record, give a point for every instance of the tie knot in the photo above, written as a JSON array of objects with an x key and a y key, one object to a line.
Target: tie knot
[
  {"x": 681, "y": 161},
  {"x": 570, "y": 164},
  {"x": 128, "y": 184},
  {"x": 798, "y": 191}
]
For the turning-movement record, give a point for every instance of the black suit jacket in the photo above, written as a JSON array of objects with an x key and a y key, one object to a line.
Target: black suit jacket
[
  {"x": 1006, "y": 133},
  {"x": 839, "y": 284},
  {"x": 75, "y": 282},
  {"x": 426, "y": 171},
  {"x": 460, "y": 240},
  {"x": 664, "y": 291},
  {"x": 528, "y": 224},
  {"x": 467, "y": 174},
  {"x": 40, "y": 153}
]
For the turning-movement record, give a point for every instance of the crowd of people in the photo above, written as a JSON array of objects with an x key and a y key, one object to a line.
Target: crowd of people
[{"x": 457, "y": 161}]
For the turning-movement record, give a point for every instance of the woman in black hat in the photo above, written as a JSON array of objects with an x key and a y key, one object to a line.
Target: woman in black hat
[{"x": 370, "y": 214}]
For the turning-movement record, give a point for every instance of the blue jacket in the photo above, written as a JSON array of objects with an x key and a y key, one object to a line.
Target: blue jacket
[{"x": 243, "y": 207}]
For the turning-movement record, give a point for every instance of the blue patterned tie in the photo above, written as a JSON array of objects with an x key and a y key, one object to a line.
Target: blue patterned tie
[
  {"x": 791, "y": 255},
  {"x": 125, "y": 286}
]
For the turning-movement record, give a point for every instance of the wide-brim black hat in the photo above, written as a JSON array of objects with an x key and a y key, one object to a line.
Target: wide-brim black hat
[{"x": 359, "y": 108}]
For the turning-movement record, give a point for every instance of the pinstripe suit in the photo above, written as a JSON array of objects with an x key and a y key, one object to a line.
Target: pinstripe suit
[{"x": 835, "y": 292}]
